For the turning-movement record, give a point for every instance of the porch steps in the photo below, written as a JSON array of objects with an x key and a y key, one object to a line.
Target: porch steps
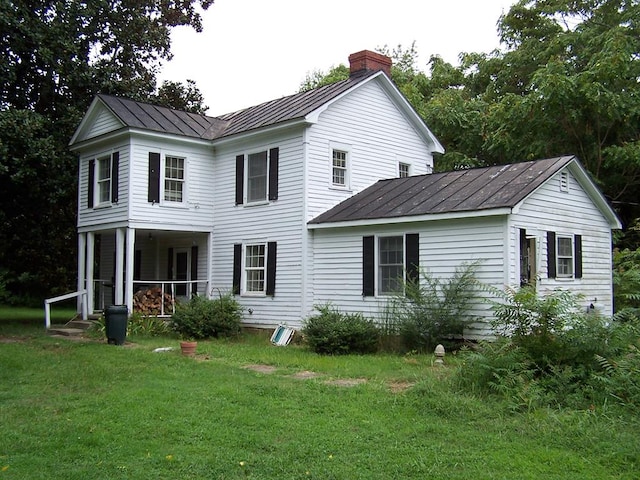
[{"x": 73, "y": 328}]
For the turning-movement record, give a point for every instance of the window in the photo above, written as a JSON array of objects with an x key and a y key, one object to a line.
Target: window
[
  {"x": 254, "y": 268},
  {"x": 102, "y": 188},
  {"x": 388, "y": 262},
  {"x": 103, "y": 179},
  {"x": 564, "y": 257},
  {"x": 339, "y": 168},
  {"x": 174, "y": 179},
  {"x": 403, "y": 170},
  {"x": 257, "y": 177}
]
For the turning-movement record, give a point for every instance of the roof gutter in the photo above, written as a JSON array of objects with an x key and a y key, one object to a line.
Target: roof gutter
[{"x": 411, "y": 219}]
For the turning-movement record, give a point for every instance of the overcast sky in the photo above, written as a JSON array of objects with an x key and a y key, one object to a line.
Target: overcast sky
[{"x": 252, "y": 51}]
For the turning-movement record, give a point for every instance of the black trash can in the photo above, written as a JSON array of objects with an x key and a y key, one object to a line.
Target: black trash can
[{"x": 115, "y": 319}]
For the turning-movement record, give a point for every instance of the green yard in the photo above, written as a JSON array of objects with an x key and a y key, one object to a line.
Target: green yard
[{"x": 245, "y": 409}]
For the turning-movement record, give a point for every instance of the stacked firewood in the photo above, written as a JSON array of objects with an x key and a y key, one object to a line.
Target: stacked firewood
[{"x": 149, "y": 302}]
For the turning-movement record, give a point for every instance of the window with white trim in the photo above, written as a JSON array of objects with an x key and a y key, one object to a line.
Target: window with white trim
[
  {"x": 390, "y": 264},
  {"x": 564, "y": 256},
  {"x": 103, "y": 179},
  {"x": 403, "y": 170},
  {"x": 174, "y": 179},
  {"x": 257, "y": 171},
  {"x": 339, "y": 172},
  {"x": 255, "y": 267}
]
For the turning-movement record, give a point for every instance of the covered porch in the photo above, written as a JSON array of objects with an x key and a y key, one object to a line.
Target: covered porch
[{"x": 148, "y": 270}]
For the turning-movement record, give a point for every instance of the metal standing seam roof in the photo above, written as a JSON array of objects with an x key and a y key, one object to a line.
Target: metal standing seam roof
[
  {"x": 166, "y": 120},
  {"x": 457, "y": 191}
]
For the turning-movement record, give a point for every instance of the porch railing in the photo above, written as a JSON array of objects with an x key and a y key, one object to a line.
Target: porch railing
[
  {"x": 49, "y": 301},
  {"x": 177, "y": 290}
]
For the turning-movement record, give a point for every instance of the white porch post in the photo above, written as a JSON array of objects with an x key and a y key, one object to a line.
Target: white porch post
[
  {"x": 209, "y": 285},
  {"x": 119, "y": 280},
  {"x": 91, "y": 241},
  {"x": 82, "y": 265},
  {"x": 130, "y": 254}
]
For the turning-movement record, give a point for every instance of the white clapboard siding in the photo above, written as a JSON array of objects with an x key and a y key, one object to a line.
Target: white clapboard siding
[
  {"x": 196, "y": 212},
  {"x": 103, "y": 214},
  {"x": 569, "y": 213},
  {"x": 444, "y": 246},
  {"x": 280, "y": 221},
  {"x": 378, "y": 137},
  {"x": 104, "y": 122}
]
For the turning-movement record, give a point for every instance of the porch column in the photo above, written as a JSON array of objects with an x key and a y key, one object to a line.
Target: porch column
[
  {"x": 129, "y": 258},
  {"x": 88, "y": 280},
  {"x": 119, "y": 280},
  {"x": 82, "y": 265},
  {"x": 209, "y": 286}
]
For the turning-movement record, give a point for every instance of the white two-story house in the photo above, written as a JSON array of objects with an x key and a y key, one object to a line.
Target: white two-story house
[{"x": 288, "y": 204}]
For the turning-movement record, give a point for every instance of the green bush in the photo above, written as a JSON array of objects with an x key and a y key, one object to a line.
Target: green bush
[
  {"x": 626, "y": 280},
  {"x": 147, "y": 325},
  {"x": 201, "y": 317},
  {"x": 435, "y": 310},
  {"x": 334, "y": 333}
]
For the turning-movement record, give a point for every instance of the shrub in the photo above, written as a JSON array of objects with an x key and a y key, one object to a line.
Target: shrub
[
  {"x": 626, "y": 280},
  {"x": 335, "y": 333},
  {"x": 435, "y": 310},
  {"x": 146, "y": 325},
  {"x": 201, "y": 317}
]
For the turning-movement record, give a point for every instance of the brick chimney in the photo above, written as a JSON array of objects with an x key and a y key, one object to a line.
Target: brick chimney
[{"x": 368, "y": 61}]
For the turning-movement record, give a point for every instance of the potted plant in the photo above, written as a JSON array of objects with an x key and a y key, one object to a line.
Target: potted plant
[{"x": 188, "y": 347}]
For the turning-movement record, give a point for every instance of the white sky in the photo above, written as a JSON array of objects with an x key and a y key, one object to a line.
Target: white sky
[{"x": 252, "y": 51}]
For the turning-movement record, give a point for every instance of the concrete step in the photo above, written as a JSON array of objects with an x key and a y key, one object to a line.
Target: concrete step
[
  {"x": 65, "y": 331},
  {"x": 81, "y": 324}
]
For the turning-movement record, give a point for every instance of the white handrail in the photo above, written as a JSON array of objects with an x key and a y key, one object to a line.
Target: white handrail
[{"x": 49, "y": 301}]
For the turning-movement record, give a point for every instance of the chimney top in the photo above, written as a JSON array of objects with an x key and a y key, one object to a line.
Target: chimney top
[{"x": 368, "y": 61}]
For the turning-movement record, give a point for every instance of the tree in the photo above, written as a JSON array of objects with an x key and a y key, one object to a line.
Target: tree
[{"x": 55, "y": 55}]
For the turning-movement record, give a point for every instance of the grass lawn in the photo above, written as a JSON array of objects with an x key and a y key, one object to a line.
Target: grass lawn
[{"x": 84, "y": 410}]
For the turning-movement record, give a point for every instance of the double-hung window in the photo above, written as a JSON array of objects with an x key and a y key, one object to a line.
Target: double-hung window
[
  {"x": 403, "y": 170},
  {"x": 254, "y": 268},
  {"x": 390, "y": 264},
  {"x": 103, "y": 179},
  {"x": 339, "y": 172},
  {"x": 564, "y": 256},
  {"x": 174, "y": 179},
  {"x": 257, "y": 177}
]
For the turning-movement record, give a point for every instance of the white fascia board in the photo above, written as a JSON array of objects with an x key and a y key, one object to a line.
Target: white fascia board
[
  {"x": 411, "y": 219},
  {"x": 244, "y": 136},
  {"x": 400, "y": 100}
]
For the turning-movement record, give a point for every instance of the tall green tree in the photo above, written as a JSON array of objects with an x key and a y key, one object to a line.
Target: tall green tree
[{"x": 55, "y": 55}]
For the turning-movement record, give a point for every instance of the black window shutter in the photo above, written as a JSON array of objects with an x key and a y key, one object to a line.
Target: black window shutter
[
  {"x": 239, "y": 179},
  {"x": 194, "y": 269},
  {"x": 170, "y": 264},
  {"x": 115, "y": 170},
  {"x": 154, "y": 178},
  {"x": 92, "y": 172},
  {"x": 368, "y": 266},
  {"x": 271, "y": 268},
  {"x": 577, "y": 251},
  {"x": 274, "y": 154},
  {"x": 551, "y": 254},
  {"x": 412, "y": 257},
  {"x": 237, "y": 267}
]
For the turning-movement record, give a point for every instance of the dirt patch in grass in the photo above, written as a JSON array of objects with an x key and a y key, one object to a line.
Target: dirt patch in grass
[
  {"x": 399, "y": 386},
  {"x": 13, "y": 339},
  {"x": 346, "y": 382},
  {"x": 261, "y": 368},
  {"x": 305, "y": 375}
]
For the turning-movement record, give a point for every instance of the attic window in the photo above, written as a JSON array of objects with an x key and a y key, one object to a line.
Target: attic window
[{"x": 564, "y": 182}]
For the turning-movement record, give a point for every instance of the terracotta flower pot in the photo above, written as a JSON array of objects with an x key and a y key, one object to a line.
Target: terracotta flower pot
[{"x": 188, "y": 348}]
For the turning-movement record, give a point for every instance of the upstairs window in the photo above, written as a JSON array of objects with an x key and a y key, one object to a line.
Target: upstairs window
[
  {"x": 103, "y": 179},
  {"x": 403, "y": 170},
  {"x": 257, "y": 177},
  {"x": 174, "y": 179},
  {"x": 339, "y": 168}
]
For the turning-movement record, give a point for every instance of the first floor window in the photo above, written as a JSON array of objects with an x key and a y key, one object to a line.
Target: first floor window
[
  {"x": 390, "y": 264},
  {"x": 103, "y": 179},
  {"x": 254, "y": 268},
  {"x": 564, "y": 258},
  {"x": 174, "y": 179},
  {"x": 339, "y": 171}
]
